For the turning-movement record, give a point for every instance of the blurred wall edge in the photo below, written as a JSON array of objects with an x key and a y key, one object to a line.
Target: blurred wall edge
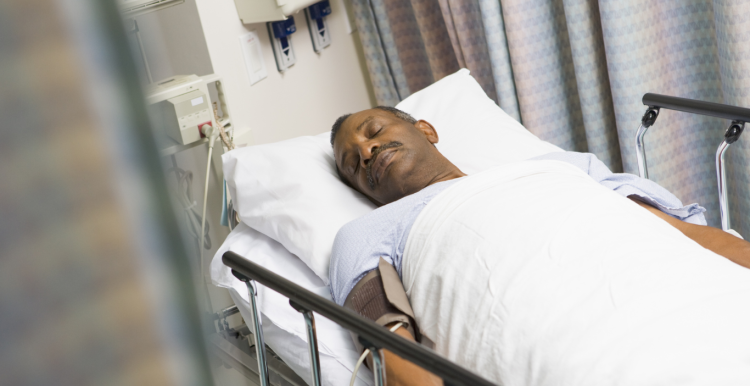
[{"x": 94, "y": 289}]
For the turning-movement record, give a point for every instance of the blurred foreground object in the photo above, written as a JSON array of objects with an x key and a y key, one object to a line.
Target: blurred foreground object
[{"x": 94, "y": 289}]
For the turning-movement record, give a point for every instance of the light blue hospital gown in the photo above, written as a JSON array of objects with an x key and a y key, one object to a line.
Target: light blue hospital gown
[{"x": 383, "y": 232}]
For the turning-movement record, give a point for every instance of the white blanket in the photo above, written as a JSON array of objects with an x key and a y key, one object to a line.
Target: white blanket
[{"x": 534, "y": 274}]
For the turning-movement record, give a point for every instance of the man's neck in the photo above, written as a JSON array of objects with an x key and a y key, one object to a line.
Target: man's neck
[{"x": 447, "y": 175}]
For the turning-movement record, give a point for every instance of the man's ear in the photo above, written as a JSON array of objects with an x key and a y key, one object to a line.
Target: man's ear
[{"x": 429, "y": 132}]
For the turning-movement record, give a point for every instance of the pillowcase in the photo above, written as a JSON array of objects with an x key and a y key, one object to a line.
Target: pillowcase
[
  {"x": 290, "y": 190},
  {"x": 283, "y": 327},
  {"x": 475, "y": 133}
]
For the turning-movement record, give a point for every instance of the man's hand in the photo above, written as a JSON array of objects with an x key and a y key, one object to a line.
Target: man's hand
[
  {"x": 713, "y": 239},
  {"x": 400, "y": 372}
]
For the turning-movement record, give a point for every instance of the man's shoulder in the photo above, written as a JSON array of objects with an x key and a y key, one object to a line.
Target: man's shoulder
[
  {"x": 387, "y": 216},
  {"x": 371, "y": 223},
  {"x": 358, "y": 246}
]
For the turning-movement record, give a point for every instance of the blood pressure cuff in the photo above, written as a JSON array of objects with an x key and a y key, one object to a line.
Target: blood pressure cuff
[{"x": 380, "y": 297}]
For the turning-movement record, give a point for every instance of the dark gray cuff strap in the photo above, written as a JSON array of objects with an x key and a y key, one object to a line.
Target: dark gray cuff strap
[{"x": 380, "y": 297}]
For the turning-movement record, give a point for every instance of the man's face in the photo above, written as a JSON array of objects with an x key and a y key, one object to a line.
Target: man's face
[{"x": 384, "y": 157}]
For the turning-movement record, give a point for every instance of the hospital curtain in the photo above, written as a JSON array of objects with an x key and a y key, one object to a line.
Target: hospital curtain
[{"x": 574, "y": 72}]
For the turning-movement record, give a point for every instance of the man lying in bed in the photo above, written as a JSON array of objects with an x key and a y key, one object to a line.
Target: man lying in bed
[{"x": 390, "y": 157}]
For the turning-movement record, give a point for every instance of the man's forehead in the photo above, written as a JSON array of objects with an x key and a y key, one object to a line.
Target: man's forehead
[
  {"x": 356, "y": 120},
  {"x": 354, "y": 123}
]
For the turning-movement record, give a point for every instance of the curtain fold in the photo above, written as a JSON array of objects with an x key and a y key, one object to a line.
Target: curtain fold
[
  {"x": 388, "y": 41},
  {"x": 592, "y": 80},
  {"x": 544, "y": 74},
  {"x": 378, "y": 67},
  {"x": 497, "y": 44},
  {"x": 574, "y": 72},
  {"x": 437, "y": 45},
  {"x": 409, "y": 44},
  {"x": 463, "y": 20}
]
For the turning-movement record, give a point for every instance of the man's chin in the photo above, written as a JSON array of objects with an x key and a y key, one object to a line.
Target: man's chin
[{"x": 372, "y": 199}]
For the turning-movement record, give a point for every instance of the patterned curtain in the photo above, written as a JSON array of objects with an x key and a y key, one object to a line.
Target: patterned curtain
[{"x": 574, "y": 72}]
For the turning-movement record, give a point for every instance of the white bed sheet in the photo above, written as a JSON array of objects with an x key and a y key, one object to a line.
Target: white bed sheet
[
  {"x": 283, "y": 327},
  {"x": 577, "y": 287}
]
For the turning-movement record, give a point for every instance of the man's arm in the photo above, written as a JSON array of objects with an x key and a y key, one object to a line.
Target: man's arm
[
  {"x": 380, "y": 297},
  {"x": 400, "y": 372},
  {"x": 713, "y": 239}
]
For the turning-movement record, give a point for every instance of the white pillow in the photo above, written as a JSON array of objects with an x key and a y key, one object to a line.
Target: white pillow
[
  {"x": 290, "y": 191},
  {"x": 475, "y": 134},
  {"x": 283, "y": 327}
]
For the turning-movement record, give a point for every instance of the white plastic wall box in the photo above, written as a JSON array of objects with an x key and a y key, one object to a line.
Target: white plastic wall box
[{"x": 259, "y": 11}]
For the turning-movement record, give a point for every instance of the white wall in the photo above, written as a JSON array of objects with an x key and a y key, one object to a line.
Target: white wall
[{"x": 304, "y": 100}]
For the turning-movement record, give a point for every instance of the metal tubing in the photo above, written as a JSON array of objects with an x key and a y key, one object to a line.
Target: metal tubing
[
  {"x": 357, "y": 324},
  {"x": 378, "y": 362},
  {"x": 721, "y": 177},
  {"x": 137, "y": 32},
  {"x": 260, "y": 344},
  {"x": 312, "y": 340},
  {"x": 697, "y": 107},
  {"x": 641, "y": 151}
]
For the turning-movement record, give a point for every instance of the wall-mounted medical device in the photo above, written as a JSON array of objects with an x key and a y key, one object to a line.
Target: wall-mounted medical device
[
  {"x": 183, "y": 116},
  {"x": 179, "y": 106},
  {"x": 280, "y": 33},
  {"x": 261, "y": 11},
  {"x": 132, "y": 8},
  {"x": 317, "y": 24}
]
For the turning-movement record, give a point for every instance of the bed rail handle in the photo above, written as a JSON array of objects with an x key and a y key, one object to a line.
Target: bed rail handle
[
  {"x": 312, "y": 341},
  {"x": 648, "y": 119},
  {"x": 378, "y": 361},
  {"x": 731, "y": 136},
  {"x": 738, "y": 116},
  {"x": 260, "y": 343},
  {"x": 378, "y": 336},
  {"x": 693, "y": 106}
]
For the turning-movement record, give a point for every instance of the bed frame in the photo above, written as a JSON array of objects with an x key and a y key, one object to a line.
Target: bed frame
[
  {"x": 371, "y": 335},
  {"x": 737, "y": 115}
]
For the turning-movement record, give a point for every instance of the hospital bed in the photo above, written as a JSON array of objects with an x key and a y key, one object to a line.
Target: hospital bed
[{"x": 269, "y": 367}]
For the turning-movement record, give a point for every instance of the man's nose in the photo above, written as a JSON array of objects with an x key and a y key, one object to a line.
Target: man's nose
[{"x": 366, "y": 150}]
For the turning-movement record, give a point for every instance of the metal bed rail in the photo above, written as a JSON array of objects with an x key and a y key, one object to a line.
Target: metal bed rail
[
  {"x": 233, "y": 351},
  {"x": 737, "y": 115},
  {"x": 235, "y": 347},
  {"x": 371, "y": 335}
]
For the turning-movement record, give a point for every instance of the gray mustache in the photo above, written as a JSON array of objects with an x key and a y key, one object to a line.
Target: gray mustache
[{"x": 389, "y": 145}]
